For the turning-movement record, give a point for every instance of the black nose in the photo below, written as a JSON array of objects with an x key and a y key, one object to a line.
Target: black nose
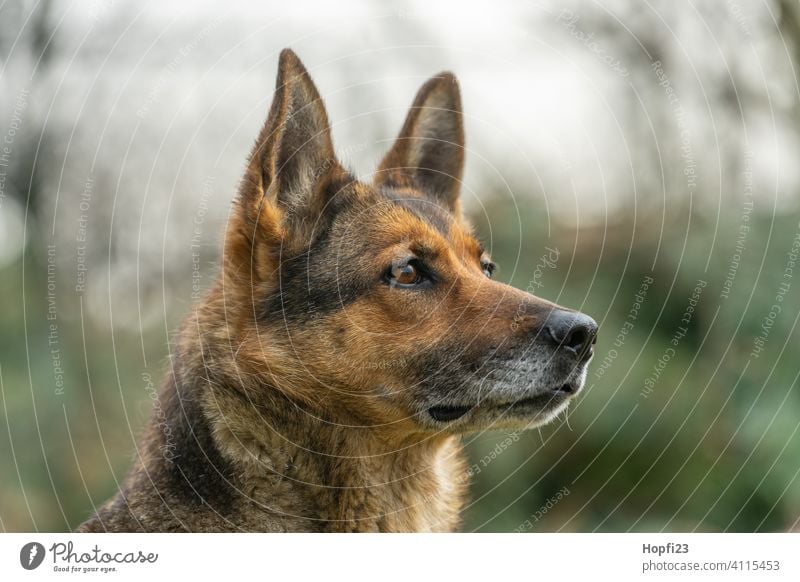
[{"x": 574, "y": 332}]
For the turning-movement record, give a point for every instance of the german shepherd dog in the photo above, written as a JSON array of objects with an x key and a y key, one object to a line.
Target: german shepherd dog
[{"x": 353, "y": 334}]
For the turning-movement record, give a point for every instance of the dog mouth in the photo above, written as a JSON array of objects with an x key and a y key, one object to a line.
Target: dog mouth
[
  {"x": 448, "y": 413},
  {"x": 539, "y": 403}
]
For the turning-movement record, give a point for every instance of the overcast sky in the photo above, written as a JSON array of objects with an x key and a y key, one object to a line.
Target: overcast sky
[{"x": 152, "y": 107}]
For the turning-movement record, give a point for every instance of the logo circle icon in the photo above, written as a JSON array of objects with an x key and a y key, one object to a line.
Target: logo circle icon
[{"x": 31, "y": 555}]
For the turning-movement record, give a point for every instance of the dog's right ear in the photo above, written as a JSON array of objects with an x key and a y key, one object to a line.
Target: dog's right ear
[{"x": 428, "y": 155}]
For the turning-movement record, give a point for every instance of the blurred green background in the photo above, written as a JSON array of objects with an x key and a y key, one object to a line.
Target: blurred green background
[{"x": 580, "y": 143}]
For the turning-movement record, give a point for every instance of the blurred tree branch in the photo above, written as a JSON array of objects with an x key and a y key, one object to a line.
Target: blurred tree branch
[{"x": 789, "y": 26}]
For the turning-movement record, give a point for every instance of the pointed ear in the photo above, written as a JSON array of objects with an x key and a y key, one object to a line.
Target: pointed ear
[
  {"x": 287, "y": 183},
  {"x": 429, "y": 152},
  {"x": 293, "y": 159}
]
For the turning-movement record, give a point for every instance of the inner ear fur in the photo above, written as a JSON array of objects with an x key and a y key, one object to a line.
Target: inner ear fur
[
  {"x": 290, "y": 176},
  {"x": 428, "y": 154},
  {"x": 293, "y": 160}
]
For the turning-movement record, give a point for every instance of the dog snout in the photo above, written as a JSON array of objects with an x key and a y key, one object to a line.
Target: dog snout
[{"x": 571, "y": 332}]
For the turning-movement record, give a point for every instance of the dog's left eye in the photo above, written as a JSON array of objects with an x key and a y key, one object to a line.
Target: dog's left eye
[
  {"x": 407, "y": 275},
  {"x": 488, "y": 268}
]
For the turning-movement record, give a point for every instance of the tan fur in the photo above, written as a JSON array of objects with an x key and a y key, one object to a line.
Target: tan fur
[{"x": 298, "y": 397}]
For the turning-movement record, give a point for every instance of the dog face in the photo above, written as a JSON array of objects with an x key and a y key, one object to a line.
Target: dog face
[{"x": 372, "y": 303}]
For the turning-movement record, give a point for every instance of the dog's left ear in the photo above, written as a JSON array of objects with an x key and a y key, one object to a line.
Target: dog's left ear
[
  {"x": 296, "y": 152},
  {"x": 429, "y": 152},
  {"x": 292, "y": 166},
  {"x": 289, "y": 180}
]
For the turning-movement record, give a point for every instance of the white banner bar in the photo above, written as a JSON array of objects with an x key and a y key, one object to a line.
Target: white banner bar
[{"x": 390, "y": 557}]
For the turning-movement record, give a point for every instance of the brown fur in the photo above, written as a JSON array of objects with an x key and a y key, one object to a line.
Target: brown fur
[{"x": 304, "y": 390}]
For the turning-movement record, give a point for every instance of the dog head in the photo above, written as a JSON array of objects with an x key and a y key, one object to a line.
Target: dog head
[{"x": 372, "y": 303}]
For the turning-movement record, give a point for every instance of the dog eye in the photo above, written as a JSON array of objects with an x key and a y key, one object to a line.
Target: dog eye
[
  {"x": 405, "y": 274},
  {"x": 488, "y": 268}
]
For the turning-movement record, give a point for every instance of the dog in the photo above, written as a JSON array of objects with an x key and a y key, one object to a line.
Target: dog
[{"x": 353, "y": 334}]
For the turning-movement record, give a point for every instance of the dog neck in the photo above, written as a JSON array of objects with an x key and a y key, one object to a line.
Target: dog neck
[
  {"x": 304, "y": 472},
  {"x": 354, "y": 480}
]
